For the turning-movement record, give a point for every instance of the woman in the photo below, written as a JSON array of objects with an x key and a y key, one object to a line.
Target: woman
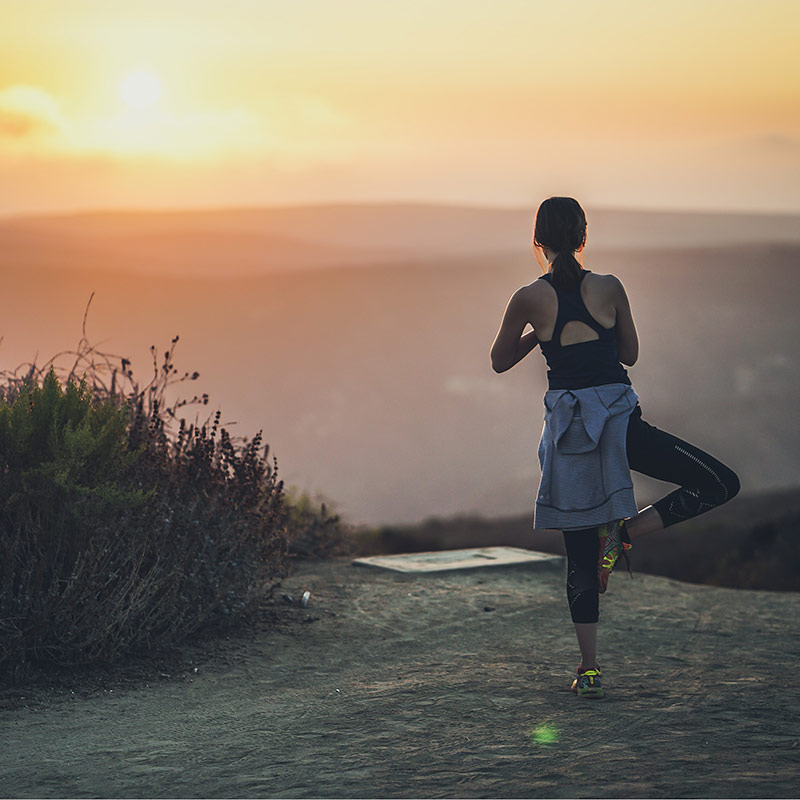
[{"x": 594, "y": 433}]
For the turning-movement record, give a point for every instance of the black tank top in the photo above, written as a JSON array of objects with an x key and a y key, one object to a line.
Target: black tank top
[{"x": 578, "y": 366}]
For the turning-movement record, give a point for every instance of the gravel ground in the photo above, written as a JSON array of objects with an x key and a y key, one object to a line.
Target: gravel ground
[{"x": 439, "y": 685}]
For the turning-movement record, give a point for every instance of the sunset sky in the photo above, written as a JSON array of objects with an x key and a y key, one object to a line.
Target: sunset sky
[{"x": 185, "y": 103}]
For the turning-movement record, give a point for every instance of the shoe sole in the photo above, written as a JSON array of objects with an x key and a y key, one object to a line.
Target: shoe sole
[{"x": 596, "y": 691}]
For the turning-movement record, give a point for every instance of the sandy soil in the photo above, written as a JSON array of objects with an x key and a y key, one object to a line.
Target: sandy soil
[{"x": 436, "y": 686}]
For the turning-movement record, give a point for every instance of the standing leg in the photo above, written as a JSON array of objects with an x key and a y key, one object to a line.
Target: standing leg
[
  {"x": 704, "y": 481},
  {"x": 587, "y": 642},
  {"x": 582, "y": 595}
]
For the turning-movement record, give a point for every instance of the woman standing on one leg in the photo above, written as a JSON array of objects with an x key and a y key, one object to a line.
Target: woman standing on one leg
[{"x": 594, "y": 433}]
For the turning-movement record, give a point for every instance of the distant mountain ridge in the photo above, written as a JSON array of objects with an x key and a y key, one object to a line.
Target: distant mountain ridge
[
  {"x": 253, "y": 240},
  {"x": 368, "y": 366}
]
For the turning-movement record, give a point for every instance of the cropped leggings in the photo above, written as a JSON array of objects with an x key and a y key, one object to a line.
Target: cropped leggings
[{"x": 704, "y": 484}]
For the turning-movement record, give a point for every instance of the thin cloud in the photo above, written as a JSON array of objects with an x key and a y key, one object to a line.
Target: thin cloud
[
  {"x": 776, "y": 142},
  {"x": 27, "y": 112},
  {"x": 297, "y": 129}
]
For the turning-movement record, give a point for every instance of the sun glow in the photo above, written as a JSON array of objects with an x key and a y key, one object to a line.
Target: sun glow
[
  {"x": 140, "y": 89},
  {"x": 688, "y": 107}
]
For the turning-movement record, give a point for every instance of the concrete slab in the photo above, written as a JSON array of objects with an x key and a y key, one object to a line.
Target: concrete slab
[{"x": 467, "y": 558}]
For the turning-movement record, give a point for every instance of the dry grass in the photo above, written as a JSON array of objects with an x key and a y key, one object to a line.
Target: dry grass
[{"x": 126, "y": 528}]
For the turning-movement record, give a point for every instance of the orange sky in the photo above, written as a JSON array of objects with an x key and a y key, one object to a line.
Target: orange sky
[{"x": 625, "y": 103}]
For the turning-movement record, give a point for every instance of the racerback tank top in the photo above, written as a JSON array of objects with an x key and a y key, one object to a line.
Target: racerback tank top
[{"x": 578, "y": 366}]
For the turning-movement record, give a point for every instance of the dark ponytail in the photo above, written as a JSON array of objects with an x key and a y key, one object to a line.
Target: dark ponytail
[
  {"x": 566, "y": 271},
  {"x": 561, "y": 226}
]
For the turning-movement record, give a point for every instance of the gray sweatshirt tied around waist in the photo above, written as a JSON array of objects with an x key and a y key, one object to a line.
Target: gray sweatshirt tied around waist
[{"x": 586, "y": 480}]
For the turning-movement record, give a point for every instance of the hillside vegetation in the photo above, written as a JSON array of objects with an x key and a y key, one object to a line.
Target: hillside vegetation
[{"x": 124, "y": 528}]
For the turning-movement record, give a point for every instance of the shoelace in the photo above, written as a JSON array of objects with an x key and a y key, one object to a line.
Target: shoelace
[
  {"x": 623, "y": 548},
  {"x": 627, "y": 560}
]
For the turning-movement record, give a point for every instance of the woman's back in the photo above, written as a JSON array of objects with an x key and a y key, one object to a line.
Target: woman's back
[
  {"x": 584, "y": 332},
  {"x": 598, "y": 298}
]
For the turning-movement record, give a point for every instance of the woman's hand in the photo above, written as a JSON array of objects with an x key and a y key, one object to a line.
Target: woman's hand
[{"x": 510, "y": 346}]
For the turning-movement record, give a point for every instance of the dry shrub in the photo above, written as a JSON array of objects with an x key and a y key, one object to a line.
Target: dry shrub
[
  {"x": 123, "y": 527},
  {"x": 315, "y": 532}
]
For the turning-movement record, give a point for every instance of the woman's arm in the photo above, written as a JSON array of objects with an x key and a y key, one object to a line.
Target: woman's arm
[
  {"x": 510, "y": 346},
  {"x": 627, "y": 338}
]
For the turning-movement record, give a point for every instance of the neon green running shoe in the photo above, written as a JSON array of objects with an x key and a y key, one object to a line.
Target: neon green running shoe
[
  {"x": 611, "y": 548},
  {"x": 588, "y": 683}
]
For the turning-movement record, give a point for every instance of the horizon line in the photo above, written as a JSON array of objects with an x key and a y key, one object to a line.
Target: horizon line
[{"x": 343, "y": 203}]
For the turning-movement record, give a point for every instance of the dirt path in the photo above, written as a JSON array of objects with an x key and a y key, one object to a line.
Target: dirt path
[{"x": 406, "y": 687}]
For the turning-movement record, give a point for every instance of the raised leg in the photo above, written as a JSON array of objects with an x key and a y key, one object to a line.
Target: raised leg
[{"x": 704, "y": 481}]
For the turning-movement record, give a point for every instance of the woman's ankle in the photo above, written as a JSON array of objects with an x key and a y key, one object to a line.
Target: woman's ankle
[{"x": 646, "y": 521}]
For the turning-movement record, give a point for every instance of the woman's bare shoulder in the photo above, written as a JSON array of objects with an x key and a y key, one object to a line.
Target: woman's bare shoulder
[
  {"x": 607, "y": 283},
  {"x": 533, "y": 293}
]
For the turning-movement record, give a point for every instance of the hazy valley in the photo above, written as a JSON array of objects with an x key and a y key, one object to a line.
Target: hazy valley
[{"x": 357, "y": 337}]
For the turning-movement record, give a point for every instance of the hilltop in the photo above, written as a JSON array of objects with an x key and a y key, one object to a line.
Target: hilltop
[{"x": 449, "y": 685}]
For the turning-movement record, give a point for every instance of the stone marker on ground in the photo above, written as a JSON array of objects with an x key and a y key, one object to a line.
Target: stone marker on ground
[{"x": 467, "y": 558}]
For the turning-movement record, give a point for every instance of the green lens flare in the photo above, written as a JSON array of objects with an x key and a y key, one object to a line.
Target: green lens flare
[{"x": 544, "y": 734}]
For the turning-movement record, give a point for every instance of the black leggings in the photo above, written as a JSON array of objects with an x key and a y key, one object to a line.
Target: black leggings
[{"x": 704, "y": 484}]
